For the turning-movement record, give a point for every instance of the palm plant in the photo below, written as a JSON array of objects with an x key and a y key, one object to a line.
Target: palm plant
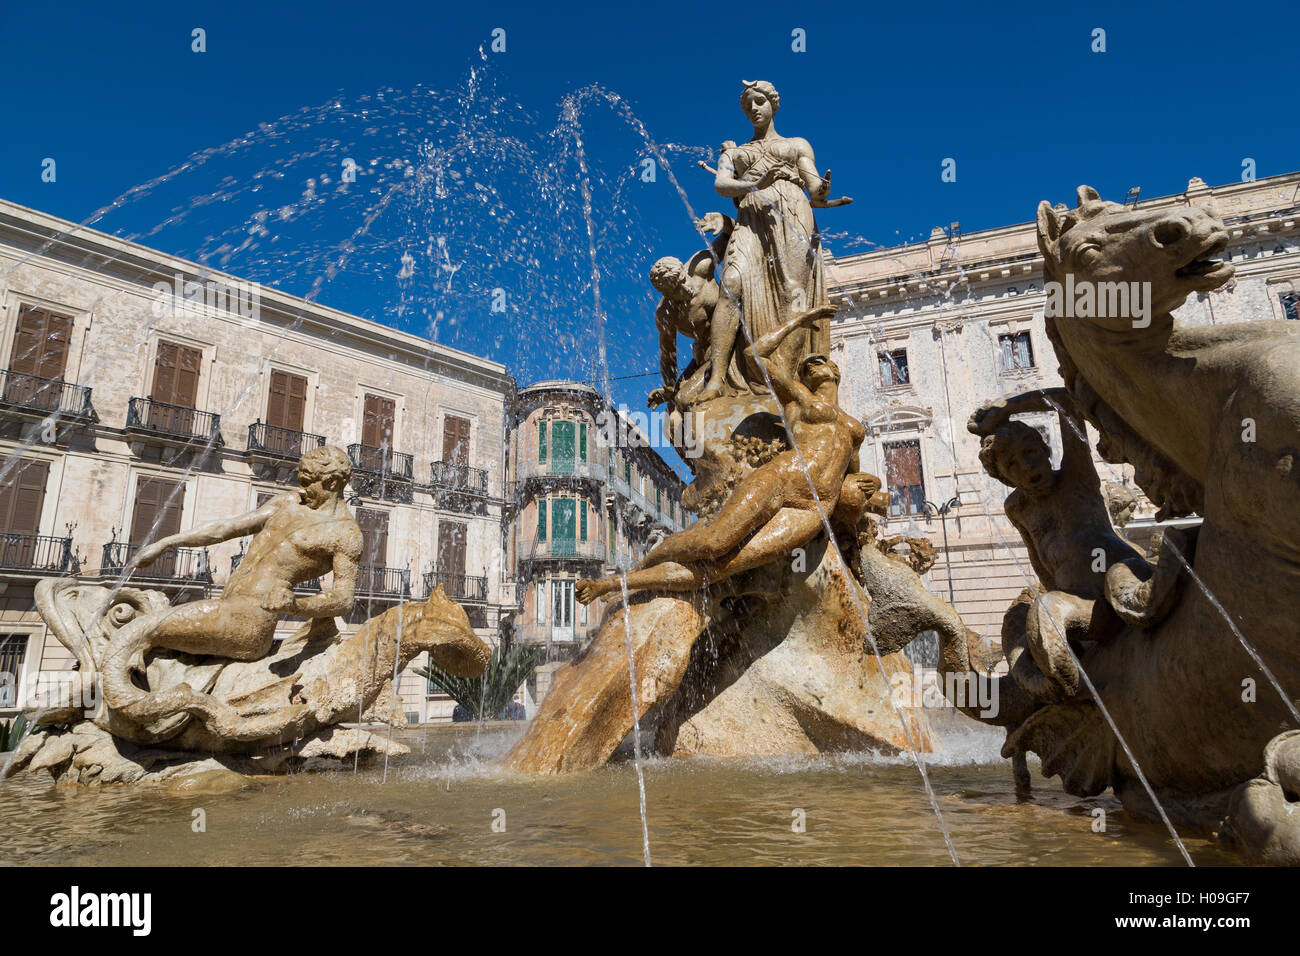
[
  {"x": 11, "y": 732},
  {"x": 486, "y": 696}
]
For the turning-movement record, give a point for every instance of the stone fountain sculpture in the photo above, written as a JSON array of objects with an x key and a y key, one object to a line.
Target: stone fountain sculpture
[
  {"x": 1194, "y": 650},
  {"x": 748, "y": 631},
  {"x": 163, "y": 692}
]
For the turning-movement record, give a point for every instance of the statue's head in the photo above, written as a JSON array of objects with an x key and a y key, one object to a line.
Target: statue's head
[
  {"x": 1016, "y": 455},
  {"x": 760, "y": 101},
  {"x": 816, "y": 369},
  {"x": 668, "y": 275},
  {"x": 323, "y": 472},
  {"x": 1162, "y": 255}
]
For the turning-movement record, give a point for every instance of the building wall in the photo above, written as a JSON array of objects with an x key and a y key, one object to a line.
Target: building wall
[
  {"x": 947, "y": 301},
  {"x": 106, "y": 285},
  {"x": 624, "y": 517}
]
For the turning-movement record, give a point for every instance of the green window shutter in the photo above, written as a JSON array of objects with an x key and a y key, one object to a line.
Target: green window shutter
[
  {"x": 582, "y": 534},
  {"x": 541, "y": 519},
  {"x": 541, "y": 440},
  {"x": 627, "y": 471},
  {"x": 582, "y": 441}
]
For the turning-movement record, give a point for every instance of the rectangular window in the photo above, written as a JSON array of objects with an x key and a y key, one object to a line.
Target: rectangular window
[
  {"x": 455, "y": 440},
  {"x": 893, "y": 368},
  {"x": 1291, "y": 305},
  {"x": 451, "y": 550},
  {"x": 582, "y": 520},
  {"x": 176, "y": 374},
  {"x": 541, "y": 441},
  {"x": 541, "y": 519},
  {"x": 564, "y": 527},
  {"x": 378, "y": 418},
  {"x": 904, "y": 479},
  {"x": 41, "y": 341},
  {"x": 374, "y": 537},
  {"x": 157, "y": 514},
  {"x": 1016, "y": 352},
  {"x": 13, "y": 649},
  {"x": 22, "y": 497},
  {"x": 582, "y": 441},
  {"x": 562, "y": 447},
  {"x": 286, "y": 405},
  {"x": 539, "y": 602}
]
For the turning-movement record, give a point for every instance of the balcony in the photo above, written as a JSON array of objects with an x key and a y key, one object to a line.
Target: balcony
[
  {"x": 570, "y": 548},
  {"x": 34, "y": 397},
  {"x": 185, "y": 566},
  {"x": 465, "y": 588},
  {"x": 38, "y": 553},
  {"x": 280, "y": 444},
  {"x": 376, "y": 582},
  {"x": 451, "y": 476},
  {"x": 173, "y": 424},
  {"x": 381, "y": 462}
]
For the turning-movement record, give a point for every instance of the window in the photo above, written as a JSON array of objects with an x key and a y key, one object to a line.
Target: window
[
  {"x": 1290, "y": 305},
  {"x": 562, "y": 447},
  {"x": 286, "y": 405},
  {"x": 374, "y": 537},
  {"x": 378, "y": 418},
  {"x": 539, "y": 601},
  {"x": 176, "y": 375},
  {"x": 903, "y": 477},
  {"x": 541, "y": 519},
  {"x": 40, "y": 349},
  {"x": 455, "y": 440},
  {"x": 1016, "y": 352},
  {"x": 13, "y": 649},
  {"x": 564, "y": 526},
  {"x": 582, "y": 441},
  {"x": 22, "y": 497},
  {"x": 893, "y": 368},
  {"x": 541, "y": 440},
  {"x": 157, "y": 514},
  {"x": 582, "y": 520},
  {"x": 451, "y": 557}
]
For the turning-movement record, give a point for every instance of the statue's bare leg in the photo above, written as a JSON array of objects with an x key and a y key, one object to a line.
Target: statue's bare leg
[
  {"x": 240, "y": 629},
  {"x": 790, "y": 529},
  {"x": 722, "y": 335}
]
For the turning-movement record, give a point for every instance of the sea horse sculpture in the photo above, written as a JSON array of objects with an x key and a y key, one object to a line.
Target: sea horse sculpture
[{"x": 1210, "y": 419}]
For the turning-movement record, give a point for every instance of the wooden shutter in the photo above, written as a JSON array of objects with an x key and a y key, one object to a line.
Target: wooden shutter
[
  {"x": 157, "y": 502},
  {"x": 176, "y": 374},
  {"x": 903, "y": 463},
  {"x": 541, "y": 440},
  {"x": 374, "y": 535},
  {"x": 22, "y": 497},
  {"x": 377, "y": 422},
  {"x": 451, "y": 548},
  {"x": 541, "y": 519},
  {"x": 286, "y": 406},
  {"x": 582, "y": 519},
  {"x": 582, "y": 441},
  {"x": 41, "y": 341},
  {"x": 455, "y": 440}
]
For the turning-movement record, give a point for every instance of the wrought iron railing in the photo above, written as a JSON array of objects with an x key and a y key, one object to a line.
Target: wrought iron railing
[
  {"x": 377, "y": 581},
  {"x": 173, "y": 421},
  {"x": 458, "y": 477},
  {"x": 458, "y": 587},
  {"x": 567, "y": 548},
  {"x": 176, "y": 565},
  {"x": 276, "y": 442},
  {"x": 372, "y": 460},
  {"x": 36, "y": 552},
  {"x": 44, "y": 396}
]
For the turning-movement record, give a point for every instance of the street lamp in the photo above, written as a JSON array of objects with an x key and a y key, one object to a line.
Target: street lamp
[{"x": 942, "y": 511}]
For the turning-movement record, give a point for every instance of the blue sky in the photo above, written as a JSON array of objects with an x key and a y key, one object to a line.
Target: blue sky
[{"x": 885, "y": 94}]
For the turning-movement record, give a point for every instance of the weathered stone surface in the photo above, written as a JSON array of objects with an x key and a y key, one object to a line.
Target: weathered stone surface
[{"x": 1264, "y": 814}]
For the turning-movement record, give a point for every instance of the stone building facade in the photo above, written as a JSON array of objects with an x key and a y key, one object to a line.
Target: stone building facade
[
  {"x": 927, "y": 332},
  {"x": 142, "y": 394},
  {"x": 586, "y": 503}
]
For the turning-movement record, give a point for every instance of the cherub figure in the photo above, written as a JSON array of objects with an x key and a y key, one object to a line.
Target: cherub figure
[
  {"x": 779, "y": 505},
  {"x": 690, "y": 298},
  {"x": 1085, "y": 568}
]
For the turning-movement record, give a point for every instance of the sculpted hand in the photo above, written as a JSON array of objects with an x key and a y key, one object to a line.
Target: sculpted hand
[
  {"x": 824, "y": 189},
  {"x": 710, "y": 222},
  {"x": 986, "y": 419},
  {"x": 279, "y": 600},
  {"x": 145, "y": 556},
  {"x": 659, "y": 396}
]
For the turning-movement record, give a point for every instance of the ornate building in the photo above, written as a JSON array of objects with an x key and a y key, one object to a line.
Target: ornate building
[
  {"x": 142, "y": 394},
  {"x": 583, "y": 507},
  {"x": 928, "y": 332}
]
